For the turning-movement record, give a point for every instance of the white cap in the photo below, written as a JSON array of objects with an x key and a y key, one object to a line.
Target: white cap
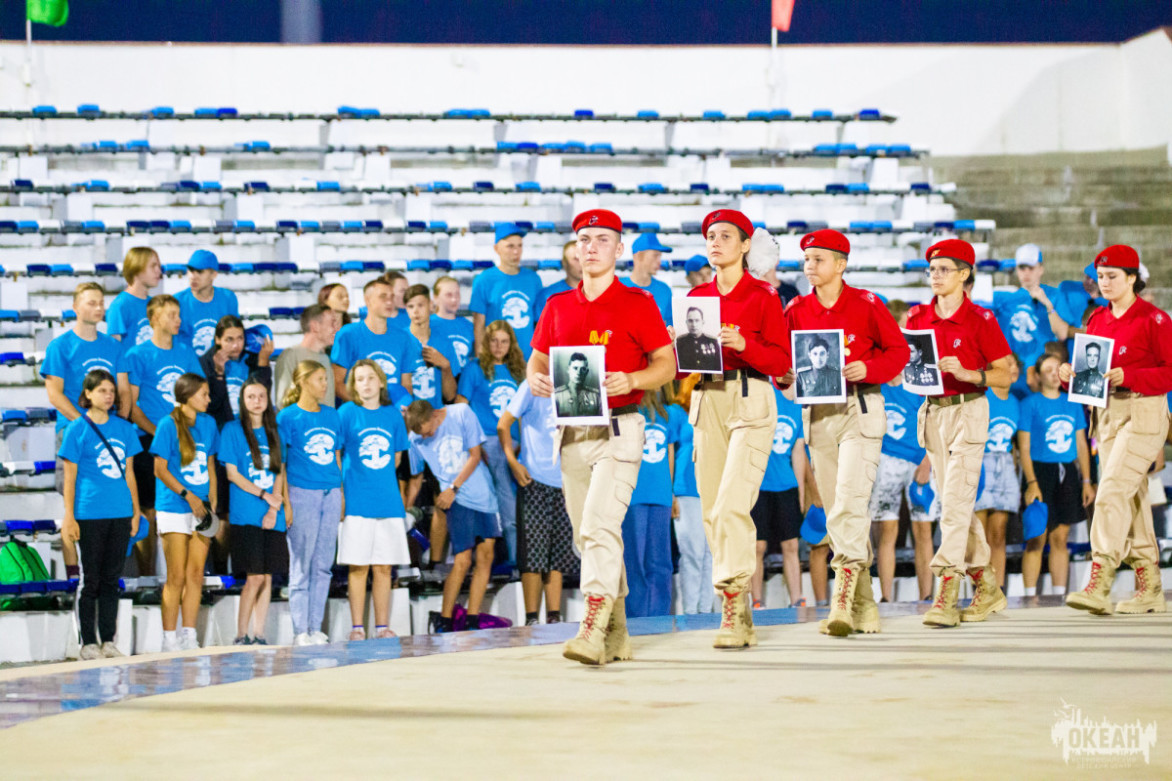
[
  {"x": 1143, "y": 272},
  {"x": 1028, "y": 255}
]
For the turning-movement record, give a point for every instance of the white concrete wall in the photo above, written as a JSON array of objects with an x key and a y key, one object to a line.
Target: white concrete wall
[{"x": 956, "y": 100}]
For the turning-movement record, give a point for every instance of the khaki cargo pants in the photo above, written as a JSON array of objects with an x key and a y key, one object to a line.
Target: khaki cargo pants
[
  {"x": 599, "y": 470},
  {"x": 734, "y": 421},
  {"x": 844, "y": 447}
]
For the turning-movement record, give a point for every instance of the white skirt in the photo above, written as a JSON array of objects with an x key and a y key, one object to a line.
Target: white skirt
[{"x": 366, "y": 541}]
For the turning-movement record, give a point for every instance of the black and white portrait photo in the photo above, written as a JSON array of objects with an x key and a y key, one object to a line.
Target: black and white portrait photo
[
  {"x": 697, "y": 321},
  {"x": 1091, "y": 362},
  {"x": 921, "y": 374},
  {"x": 579, "y": 397},
  {"x": 818, "y": 362}
]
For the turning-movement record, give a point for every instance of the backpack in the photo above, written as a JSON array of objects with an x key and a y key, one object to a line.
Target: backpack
[{"x": 21, "y": 564}]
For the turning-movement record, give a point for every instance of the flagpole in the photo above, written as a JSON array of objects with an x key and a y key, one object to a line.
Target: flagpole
[{"x": 28, "y": 53}]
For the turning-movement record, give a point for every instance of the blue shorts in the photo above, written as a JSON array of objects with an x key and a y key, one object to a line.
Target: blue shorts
[{"x": 466, "y": 526}]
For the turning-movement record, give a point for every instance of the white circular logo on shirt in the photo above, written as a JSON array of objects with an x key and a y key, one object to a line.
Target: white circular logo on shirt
[
  {"x": 234, "y": 386},
  {"x": 1000, "y": 435},
  {"x": 203, "y": 338},
  {"x": 516, "y": 312},
  {"x": 423, "y": 381},
  {"x": 145, "y": 332},
  {"x": 388, "y": 365},
  {"x": 1023, "y": 324},
  {"x": 106, "y": 462},
  {"x": 374, "y": 451},
  {"x": 320, "y": 448},
  {"x": 262, "y": 477},
  {"x": 166, "y": 386},
  {"x": 500, "y": 396},
  {"x": 783, "y": 436},
  {"x": 653, "y": 445},
  {"x": 451, "y": 455},
  {"x": 895, "y": 422},
  {"x": 461, "y": 351},
  {"x": 1059, "y": 436},
  {"x": 196, "y": 473}
]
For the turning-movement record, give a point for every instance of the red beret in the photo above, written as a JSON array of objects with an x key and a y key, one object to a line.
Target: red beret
[
  {"x": 1118, "y": 256},
  {"x": 957, "y": 249},
  {"x": 728, "y": 215},
  {"x": 598, "y": 218},
  {"x": 827, "y": 239}
]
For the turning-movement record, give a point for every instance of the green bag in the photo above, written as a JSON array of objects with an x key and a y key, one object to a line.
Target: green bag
[{"x": 21, "y": 564}]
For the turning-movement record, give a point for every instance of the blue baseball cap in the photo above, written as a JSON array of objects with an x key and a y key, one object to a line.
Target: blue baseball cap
[
  {"x": 813, "y": 529},
  {"x": 648, "y": 241},
  {"x": 1090, "y": 271},
  {"x": 506, "y": 229},
  {"x": 695, "y": 263},
  {"x": 203, "y": 260},
  {"x": 1035, "y": 519},
  {"x": 254, "y": 338}
]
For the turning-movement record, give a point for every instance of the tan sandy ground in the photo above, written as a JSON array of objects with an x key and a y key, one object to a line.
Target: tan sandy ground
[{"x": 975, "y": 702}]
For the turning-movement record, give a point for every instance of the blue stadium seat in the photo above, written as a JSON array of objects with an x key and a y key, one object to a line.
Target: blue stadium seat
[
  {"x": 789, "y": 265},
  {"x": 372, "y": 226},
  {"x": 93, "y": 226},
  {"x": 331, "y": 226},
  {"x": 858, "y": 188},
  {"x": 825, "y": 150},
  {"x": 527, "y": 146},
  {"x": 602, "y": 148},
  {"x": 921, "y": 187},
  {"x": 96, "y": 185},
  {"x": 171, "y": 269},
  {"x": 106, "y": 269},
  {"x": 27, "y": 226},
  {"x": 351, "y": 266},
  {"x": 527, "y": 187},
  {"x": 44, "y": 526},
  {"x": 758, "y": 114},
  {"x": 329, "y": 267},
  {"x": 22, "y": 184},
  {"x": 461, "y": 265},
  {"x": 1008, "y": 265},
  {"x": 179, "y": 226},
  {"x": 478, "y": 265},
  {"x": 604, "y": 187},
  {"x": 210, "y": 187},
  {"x": 162, "y": 112},
  {"x": 882, "y": 226},
  {"x": 61, "y": 270},
  {"x": 648, "y": 227},
  {"x": 280, "y": 312},
  {"x": 68, "y": 315},
  {"x": 549, "y": 264},
  {"x": 944, "y": 225},
  {"x": 553, "y": 146},
  {"x": 9, "y": 315},
  {"x": 242, "y": 268},
  {"x": 89, "y": 109},
  {"x": 30, "y": 316},
  {"x": 713, "y": 114},
  {"x": 39, "y": 270},
  {"x": 284, "y": 225},
  {"x": 205, "y": 111},
  {"x": 545, "y": 226},
  {"x": 899, "y": 150},
  {"x": 138, "y": 225},
  {"x": 816, "y": 225},
  {"x": 860, "y": 226},
  {"x": 438, "y": 226},
  {"x": 258, "y": 186},
  {"x": 223, "y": 226},
  {"x": 780, "y": 113},
  {"x": 965, "y": 225},
  {"x": 574, "y": 146},
  {"x": 44, "y": 111},
  {"x": 918, "y": 264},
  {"x": 868, "y": 114},
  {"x": 699, "y": 187},
  {"x": 439, "y": 187},
  {"x": 647, "y": 114},
  {"x": 7, "y": 226},
  {"x": 140, "y": 144},
  {"x": 352, "y": 226},
  {"x": 989, "y": 265},
  {"x": 691, "y": 226},
  {"x": 310, "y": 226},
  {"x": 244, "y": 226},
  {"x": 822, "y": 113},
  {"x": 441, "y": 264},
  {"x": 652, "y": 187},
  {"x": 506, "y": 146},
  {"x": 480, "y": 226},
  {"x": 42, "y": 467},
  {"x": 483, "y": 186},
  {"x": 374, "y": 265},
  {"x": 583, "y": 113},
  {"x": 419, "y": 264},
  {"x": 14, "y": 416}
]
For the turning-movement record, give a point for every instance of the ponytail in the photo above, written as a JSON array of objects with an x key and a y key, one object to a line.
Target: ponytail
[
  {"x": 303, "y": 370},
  {"x": 185, "y": 387}
]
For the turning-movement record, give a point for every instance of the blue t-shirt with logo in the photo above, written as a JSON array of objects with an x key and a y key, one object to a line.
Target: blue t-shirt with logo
[
  {"x": 246, "y": 508},
  {"x": 536, "y": 416},
  {"x": 446, "y": 452},
  {"x": 1052, "y": 424},
  {"x": 459, "y": 335},
  {"x": 235, "y": 375},
  {"x": 660, "y": 291},
  {"x": 427, "y": 381},
  {"x": 71, "y": 358},
  {"x": 684, "y": 483},
  {"x": 654, "y": 485},
  {"x": 195, "y": 475},
  {"x": 127, "y": 318},
  {"x": 101, "y": 490},
  {"x": 395, "y": 352},
  {"x": 779, "y": 472},
  {"x": 1004, "y": 417},
  {"x": 903, "y": 408},
  {"x": 371, "y": 438},
  {"x": 488, "y": 399},
  {"x": 1026, "y": 326},
  {"x": 197, "y": 326},
  {"x": 311, "y": 441},
  {"x": 514, "y": 298},
  {"x": 154, "y": 371}
]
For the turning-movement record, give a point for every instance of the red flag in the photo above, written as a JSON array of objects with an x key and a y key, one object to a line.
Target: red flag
[{"x": 783, "y": 10}]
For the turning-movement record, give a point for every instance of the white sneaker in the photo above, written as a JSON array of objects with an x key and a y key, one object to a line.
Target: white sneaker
[
  {"x": 303, "y": 639},
  {"x": 110, "y": 651},
  {"x": 319, "y": 638},
  {"x": 90, "y": 652},
  {"x": 187, "y": 639},
  {"x": 170, "y": 643}
]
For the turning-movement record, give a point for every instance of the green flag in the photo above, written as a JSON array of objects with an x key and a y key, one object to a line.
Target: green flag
[{"x": 51, "y": 12}]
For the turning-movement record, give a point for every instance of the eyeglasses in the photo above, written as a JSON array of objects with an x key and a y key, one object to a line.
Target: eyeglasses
[{"x": 940, "y": 271}]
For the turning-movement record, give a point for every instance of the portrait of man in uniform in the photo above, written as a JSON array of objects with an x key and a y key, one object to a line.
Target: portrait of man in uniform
[
  {"x": 818, "y": 362},
  {"x": 579, "y": 397},
  {"x": 921, "y": 374},
  {"x": 1092, "y": 361},
  {"x": 698, "y": 342}
]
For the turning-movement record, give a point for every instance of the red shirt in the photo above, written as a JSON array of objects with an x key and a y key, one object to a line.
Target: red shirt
[
  {"x": 1143, "y": 345},
  {"x": 623, "y": 319},
  {"x": 971, "y": 334},
  {"x": 870, "y": 332},
  {"x": 753, "y": 309}
]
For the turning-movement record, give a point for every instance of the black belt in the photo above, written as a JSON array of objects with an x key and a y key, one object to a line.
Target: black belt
[
  {"x": 744, "y": 375},
  {"x": 958, "y": 398}
]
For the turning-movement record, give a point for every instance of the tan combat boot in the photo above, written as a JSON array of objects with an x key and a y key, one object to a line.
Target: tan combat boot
[
  {"x": 1149, "y": 592},
  {"x": 943, "y": 612},
  {"x": 1096, "y": 597},
  {"x": 589, "y": 646},
  {"x": 987, "y": 595},
  {"x": 736, "y": 622},
  {"x": 618, "y": 642},
  {"x": 840, "y": 622},
  {"x": 865, "y": 613}
]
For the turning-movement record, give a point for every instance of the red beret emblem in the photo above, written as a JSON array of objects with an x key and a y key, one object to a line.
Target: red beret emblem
[{"x": 593, "y": 220}]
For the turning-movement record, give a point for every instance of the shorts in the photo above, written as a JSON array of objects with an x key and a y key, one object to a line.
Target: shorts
[
  {"x": 174, "y": 523},
  {"x": 777, "y": 516},
  {"x": 1061, "y": 487},
  {"x": 378, "y": 541},
  {"x": 545, "y": 538},
  {"x": 1002, "y": 492},
  {"x": 893, "y": 478},
  {"x": 257, "y": 551},
  {"x": 466, "y": 526},
  {"x": 144, "y": 474}
]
